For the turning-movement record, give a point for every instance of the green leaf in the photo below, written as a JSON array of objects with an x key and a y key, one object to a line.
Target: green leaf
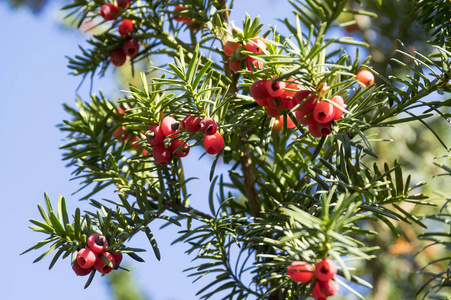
[{"x": 153, "y": 242}]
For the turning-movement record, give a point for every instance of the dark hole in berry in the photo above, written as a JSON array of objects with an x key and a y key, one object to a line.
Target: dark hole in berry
[
  {"x": 83, "y": 260},
  {"x": 322, "y": 114},
  {"x": 131, "y": 51},
  {"x": 275, "y": 86},
  {"x": 324, "y": 270},
  {"x": 175, "y": 125},
  {"x": 100, "y": 240}
]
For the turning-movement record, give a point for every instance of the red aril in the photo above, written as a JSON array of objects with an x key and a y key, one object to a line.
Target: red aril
[
  {"x": 79, "y": 270},
  {"x": 125, "y": 28},
  {"x": 340, "y": 102},
  {"x": 170, "y": 127},
  {"x": 324, "y": 128},
  {"x": 179, "y": 148},
  {"x": 328, "y": 288},
  {"x": 230, "y": 47},
  {"x": 307, "y": 102},
  {"x": 191, "y": 123},
  {"x": 208, "y": 126},
  {"x": 213, "y": 144},
  {"x": 123, "y": 3},
  {"x": 365, "y": 78},
  {"x": 177, "y": 16},
  {"x": 109, "y": 12},
  {"x": 103, "y": 267},
  {"x": 154, "y": 134},
  {"x": 97, "y": 242},
  {"x": 300, "y": 271},
  {"x": 272, "y": 112},
  {"x": 86, "y": 258},
  {"x": 130, "y": 47},
  {"x": 276, "y": 89},
  {"x": 259, "y": 90},
  {"x": 235, "y": 66},
  {"x": 161, "y": 154},
  {"x": 313, "y": 129},
  {"x": 118, "y": 57},
  {"x": 323, "y": 112},
  {"x": 325, "y": 270},
  {"x": 304, "y": 117}
]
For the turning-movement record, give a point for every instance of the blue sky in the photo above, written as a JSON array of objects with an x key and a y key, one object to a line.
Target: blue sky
[{"x": 34, "y": 81}]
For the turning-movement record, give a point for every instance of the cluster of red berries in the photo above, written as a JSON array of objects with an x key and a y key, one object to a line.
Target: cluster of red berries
[
  {"x": 317, "y": 115},
  {"x": 325, "y": 270},
  {"x": 192, "y": 24},
  {"x": 156, "y": 134},
  {"x": 94, "y": 256},
  {"x": 130, "y": 46},
  {"x": 279, "y": 96},
  {"x": 237, "y": 60}
]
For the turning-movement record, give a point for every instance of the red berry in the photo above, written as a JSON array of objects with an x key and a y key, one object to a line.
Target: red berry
[
  {"x": 259, "y": 90},
  {"x": 337, "y": 112},
  {"x": 130, "y": 47},
  {"x": 328, "y": 288},
  {"x": 118, "y": 57},
  {"x": 317, "y": 294},
  {"x": 79, "y": 270},
  {"x": 126, "y": 27},
  {"x": 213, "y": 144},
  {"x": 117, "y": 259},
  {"x": 235, "y": 66},
  {"x": 161, "y": 154},
  {"x": 97, "y": 242},
  {"x": 177, "y": 15},
  {"x": 324, "y": 128},
  {"x": 277, "y": 126},
  {"x": 300, "y": 271},
  {"x": 256, "y": 46},
  {"x": 264, "y": 101},
  {"x": 276, "y": 89},
  {"x": 306, "y": 104},
  {"x": 109, "y": 12},
  {"x": 272, "y": 112},
  {"x": 191, "y": 124},
  {"x": 170, "y": 127},
  {"x": 365, "y": 78},
  {"x": 86, "y": 258},
  {"x": 292, "y": 86},
  {"x": 135, "y": 143},
  {"x": 304, "y": 117},
  {"x": 123, "y": 3},
  {"x": 277, "y": 103},
  {"x": 313, "y": 129},
  {"x": 119, "y": 135},
  {"x": 208, "y": 126},
  {"x": 179, "y": 148},
  {"x": 290, "y": 123},
  {"x": 101, "y": 266},
  {"x": 154, "y": 135},
  {"x": 323, "y": 112},
  {"x": 325, "y": 270},
  {"x": 257, "y": 64},
  {"x": 230, "y": 47}
]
